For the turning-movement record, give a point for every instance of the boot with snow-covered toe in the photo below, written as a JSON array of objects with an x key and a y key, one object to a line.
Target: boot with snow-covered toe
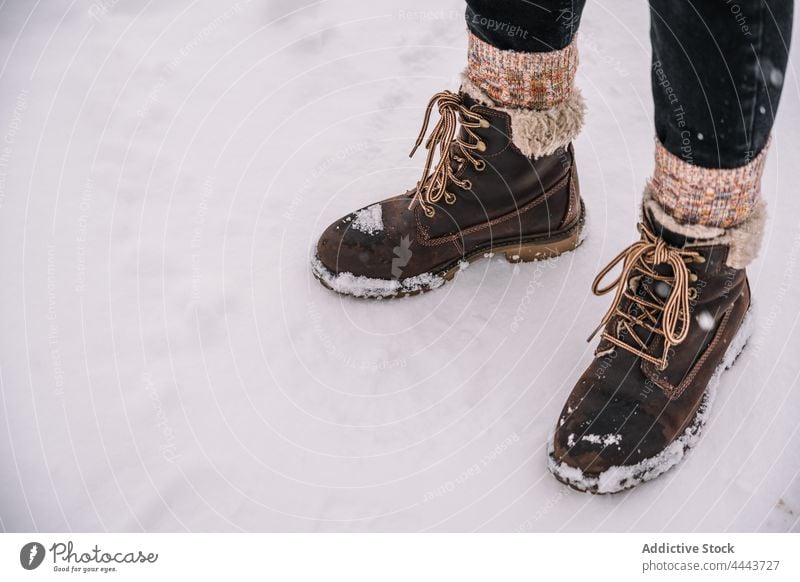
[
  {"x": 496, "y": 180},
  {"x": 678, "y": 319}
]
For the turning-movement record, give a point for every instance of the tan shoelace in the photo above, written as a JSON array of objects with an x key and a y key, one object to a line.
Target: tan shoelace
[
  {"x": 433, "y": 185},
  {"x": 641, "y": 258}
]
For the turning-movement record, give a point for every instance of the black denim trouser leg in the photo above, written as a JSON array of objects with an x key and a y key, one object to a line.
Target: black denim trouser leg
[
  {"x": 718, "y": 71},
  {"x": 535, "y": 26}
]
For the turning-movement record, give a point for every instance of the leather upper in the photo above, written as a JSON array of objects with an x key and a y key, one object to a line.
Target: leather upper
[
  {"x": 630, "y": 409},
  {"x": 512, "y": 197}
]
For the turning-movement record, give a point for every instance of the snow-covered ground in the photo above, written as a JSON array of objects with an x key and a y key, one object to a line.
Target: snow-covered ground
[{"x": 167, "y": 362}]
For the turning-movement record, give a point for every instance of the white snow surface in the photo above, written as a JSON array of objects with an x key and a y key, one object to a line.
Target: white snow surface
[{"x": 168, "y": 361}]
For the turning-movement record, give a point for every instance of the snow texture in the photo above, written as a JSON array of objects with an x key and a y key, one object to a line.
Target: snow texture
[
  {"x": 169, "y": 362},
  {"x": 603, "y": 440},
  {"x": 705, "y": 320},
  {"x": 369, "y": 220},
  {"x": 368, "y": 287}
]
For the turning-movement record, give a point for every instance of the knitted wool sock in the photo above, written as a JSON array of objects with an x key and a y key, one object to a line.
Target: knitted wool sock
[
  {"x": 706, "y": 196},
  {"x": 526, "y": 80},
  {"x": 536, "y": 90},
  {"x": 719, "y": 205}
]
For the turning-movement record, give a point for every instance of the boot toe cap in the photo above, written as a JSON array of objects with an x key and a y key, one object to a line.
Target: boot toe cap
[
  {"x": 604, "y": 433},
  {"x": 343, "y": 248},
  {"x": 377, "y": 242}
]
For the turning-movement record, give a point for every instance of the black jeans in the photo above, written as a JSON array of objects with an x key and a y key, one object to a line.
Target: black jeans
[{"x": 718, "y": 66}]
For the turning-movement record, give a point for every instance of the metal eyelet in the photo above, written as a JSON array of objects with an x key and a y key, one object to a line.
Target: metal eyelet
[
  {"x": 480, "y": 166},
  {"x": 467, "y": 185}
]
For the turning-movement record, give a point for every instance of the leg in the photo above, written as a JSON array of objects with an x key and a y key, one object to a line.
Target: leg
[
  {"x": 523, "y": 54},
  {"x": 499, "y": 175},
  {"x": 715, "y": 112},
  {"x": 540, "y": 26},
  {"x": 718, "y": 70},
  {"x": 680, "y": 312}
]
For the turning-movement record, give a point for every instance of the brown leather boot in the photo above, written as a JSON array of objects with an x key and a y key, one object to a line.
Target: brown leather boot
[
  {"x": 482, "y": 195},
  {"x": 677, "y": 321}
]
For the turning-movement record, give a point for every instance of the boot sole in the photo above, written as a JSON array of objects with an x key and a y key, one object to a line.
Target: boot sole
[
  {"x": 521, "y": 251},
  {"x": 618, "y": 479}
]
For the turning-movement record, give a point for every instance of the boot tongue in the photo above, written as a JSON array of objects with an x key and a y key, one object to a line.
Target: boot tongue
[
  {"x": 644, "y": 287},
  {"x": 469, "y": 101},
  {"x": 673, "y": 239}
]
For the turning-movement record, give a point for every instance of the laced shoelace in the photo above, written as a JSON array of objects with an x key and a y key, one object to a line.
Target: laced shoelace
[
  {"x": 443, "y": 140},
  {"x": 665, "y": 316}
]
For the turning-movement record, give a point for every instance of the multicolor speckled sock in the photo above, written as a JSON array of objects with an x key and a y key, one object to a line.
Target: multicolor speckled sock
[
  {"x": 519, "y": 79},
  {"x": 706, "y": 196}
]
